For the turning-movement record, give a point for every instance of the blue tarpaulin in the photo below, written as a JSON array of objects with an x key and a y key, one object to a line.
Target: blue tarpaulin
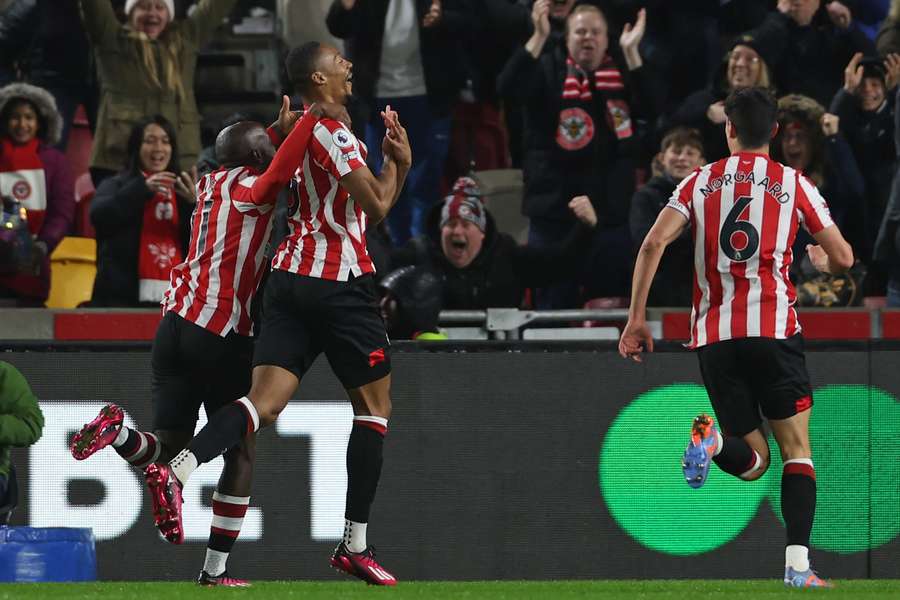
[{"x": 29, "y": 554}]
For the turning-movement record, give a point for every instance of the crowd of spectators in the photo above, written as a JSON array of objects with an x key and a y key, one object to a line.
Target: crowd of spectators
[{"x": 604, "y": 105}]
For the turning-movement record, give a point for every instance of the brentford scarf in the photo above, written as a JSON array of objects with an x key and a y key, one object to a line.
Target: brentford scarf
[
  {"x": 160, "y": 245},
  {"x": 22, "y": 178},
  {"x": 576, "y": 126}
]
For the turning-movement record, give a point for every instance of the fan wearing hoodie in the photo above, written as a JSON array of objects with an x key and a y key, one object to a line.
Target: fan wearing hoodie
[
  {"x": 36, "y": 174},
  {"x": 680, "y": 153},
  {"x": 483, "y": 268}
]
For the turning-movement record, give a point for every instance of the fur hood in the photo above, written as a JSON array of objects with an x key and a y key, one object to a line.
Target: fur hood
[{"x": 43, "y": 101}]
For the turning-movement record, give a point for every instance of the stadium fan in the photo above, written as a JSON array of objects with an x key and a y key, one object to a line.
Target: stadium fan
[
  {"x": 45, "y": 40},
  {"x": 37, "y": 176},
  {"x": 680, "y": 153},
  {"x": 142, "y": 219},
  {"x": 582, "y": 103},
  {"x": 865, "y": 107},
  {"x": 146, "y": 66},
  {"x": 745, "y": 211},
  {"x": 21, "y": 424},
  {"x": 745, "y": 65},
  {"x": 809, "y": 140},
  {"x": 407, "y": 55},
  {"x": 201, "y": 352},
  {"x": 481, "y": 267},
  {"x": 319, "y": 298},
  {"x": 887, "y": 244},
  {"x": 810, "y": 42}
]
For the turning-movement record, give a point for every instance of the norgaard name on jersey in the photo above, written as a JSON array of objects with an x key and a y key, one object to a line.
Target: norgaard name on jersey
[{"x": 773, "y": 188}]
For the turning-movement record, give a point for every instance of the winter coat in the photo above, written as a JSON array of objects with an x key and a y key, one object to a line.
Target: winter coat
[
  {"x": 126, "y": 91},
  {"x": 502, "y": 271},
  {"x": 811, "y": 59},
  {"x": 47, "y": 37},
  {"x": 887, "y": 244},
  {"x": 117, "y": 214},
  {"x": 673, "y": 283},
  {"x": 871, "y": 137},
  {"x": 551, "y": 182},
  {"x": 21, "y": 419},
  {"x": 60, "y": 211},
  {"x": 363, "y": 29}
]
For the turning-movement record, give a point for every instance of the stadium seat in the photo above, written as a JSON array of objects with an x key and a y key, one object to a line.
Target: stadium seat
[
  {"x": 571, "y": 333},
  {"x": 84, "y": 193},
  {"x": 73, "y": 266},
  {"x": 81, "y": 141},
  {"x": 502, "y": 189}
]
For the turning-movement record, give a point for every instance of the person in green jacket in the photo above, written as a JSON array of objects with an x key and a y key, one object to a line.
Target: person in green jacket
[
  {"x": 146, "y": 67},
  {"x": 21, "y": 419}
]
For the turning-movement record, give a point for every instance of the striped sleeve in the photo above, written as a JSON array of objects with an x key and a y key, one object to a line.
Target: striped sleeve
[
  {"x": 812, "y": 210},
  {"x": 681, "y": 197},
  {"x": 336, "y": 149}
]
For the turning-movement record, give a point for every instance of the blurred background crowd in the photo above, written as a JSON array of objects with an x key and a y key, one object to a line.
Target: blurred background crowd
[{"x": 546, "y": 136}]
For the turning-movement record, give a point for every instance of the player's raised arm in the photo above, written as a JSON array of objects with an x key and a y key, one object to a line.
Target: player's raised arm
[{"x": 376, "y": 195}]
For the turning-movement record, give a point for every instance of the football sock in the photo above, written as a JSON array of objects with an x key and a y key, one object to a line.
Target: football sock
[
  {"x": 137, "y": 447},
  {"x": 225, "y": 429},
  {"x": 798, "y": 505},
  {"x": 355, "y": 535},
  {"x": 797, "y": 557},
  {"x": 183, "y": 465},
  {"x": 736, "y": 457},
  {"x": 228, "y": 516},
  {"x": 364, "y": 459}
]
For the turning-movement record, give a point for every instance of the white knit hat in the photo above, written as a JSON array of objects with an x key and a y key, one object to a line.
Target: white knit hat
[{"x": 170, "y": 4}]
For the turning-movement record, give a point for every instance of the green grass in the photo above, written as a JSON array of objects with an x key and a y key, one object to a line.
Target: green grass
[{"x": 511, "y": 590}]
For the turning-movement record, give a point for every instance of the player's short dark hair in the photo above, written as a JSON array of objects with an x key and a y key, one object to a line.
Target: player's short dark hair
[
  {"x": 752, "y": 110},
  {"x": 300, "y": 64}
]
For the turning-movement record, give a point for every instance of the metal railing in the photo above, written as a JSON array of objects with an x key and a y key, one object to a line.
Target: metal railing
[{"x": 506, "y": 323}]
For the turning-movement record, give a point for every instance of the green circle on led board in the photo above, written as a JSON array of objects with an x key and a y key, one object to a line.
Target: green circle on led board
[
  {"x": 854, "y": 432},
  {"x": 644, "y": 488}
]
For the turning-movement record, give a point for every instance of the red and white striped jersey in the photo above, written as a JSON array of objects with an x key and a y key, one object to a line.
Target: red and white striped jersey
[
  {"x": 215, "y": 284},
  {"x": 745, "y": 211},
  {"x": 327, "y": 237}
]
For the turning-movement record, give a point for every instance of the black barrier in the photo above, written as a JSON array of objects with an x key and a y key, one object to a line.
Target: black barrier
[{"x": 502, "y": 461}]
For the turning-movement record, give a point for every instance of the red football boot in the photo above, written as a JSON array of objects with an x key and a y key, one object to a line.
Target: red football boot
[
  {"x": 99, "y": 433},
  {"x": 165, "y": 492},
  {"x": 224, "y": 580},
  {"x": 361, "y": 565}
]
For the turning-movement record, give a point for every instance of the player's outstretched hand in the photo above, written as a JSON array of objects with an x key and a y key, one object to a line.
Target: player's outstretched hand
[
  {"x": 583, "y": 210},
  {"x": 635, "y": 339},
  {"x": 186, "y": 186},
  {"x": 818, "y": 258},
  {"x": 287, "y": 118},
  {"x": 396, "y": 142},
  {"x": 330, "y": 110}
]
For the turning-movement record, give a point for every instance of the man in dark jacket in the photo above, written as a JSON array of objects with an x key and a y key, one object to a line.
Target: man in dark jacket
[
  {"x": 47, "y": 40},
  {"x": 812, "y": 40},
  {"x": 483, "y": 268},
  {"x": 681, "y": 153},
  {"x": 405, "y": 54},
  {"x": 866, "y": 111},
  {"x": 582, "y": 104}
]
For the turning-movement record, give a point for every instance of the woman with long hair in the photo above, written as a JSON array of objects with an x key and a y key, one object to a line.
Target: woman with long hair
[
  {"x": 146, "y": 66},
  {"x": 142, "y": 219}
]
